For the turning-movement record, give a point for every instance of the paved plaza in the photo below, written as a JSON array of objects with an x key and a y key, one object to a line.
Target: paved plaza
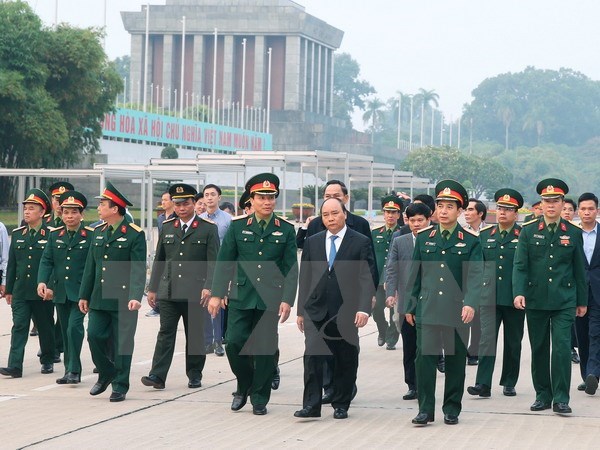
[{"x": 41, "y": 414}]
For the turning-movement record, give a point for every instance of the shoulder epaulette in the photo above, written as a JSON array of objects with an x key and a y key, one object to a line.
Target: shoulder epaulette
[
  {"x": 169, "y": 220},
  {"x": 19, "y": 228},
  {"x": 574, "y": 224},
  {"x": 207, "y": 220},
  {"x": 89, "y": 228},
  {"x": 239, "y": 217},
  {"x": 530, "y": 222},
  {"x": 285, "y": 220},
  {"x": 425, "y": 229},
  {"x": 52, "y": 229},
  {"x": 135, "y": 227},
  {"x": 99, "y": 225},
  {"x": 473, "y": 232},
  {"x": 487, "y": 228}
]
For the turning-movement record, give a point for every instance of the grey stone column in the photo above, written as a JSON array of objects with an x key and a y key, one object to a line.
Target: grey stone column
[
  {"x": 304, "y": 62},
  {"x": 260, "y": 71},
  {"x": 292, "y": 73},
  {"x": 168, "y": 70},
  {"x": 198, "y": 65},
  {"x": 136, "y": 68},
  {"x": 228, "y": 66}
]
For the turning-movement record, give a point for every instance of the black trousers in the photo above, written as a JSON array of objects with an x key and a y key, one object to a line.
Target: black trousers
[
  {"x": 409, "y": 353},
  {"x": 323, "y": 340}
]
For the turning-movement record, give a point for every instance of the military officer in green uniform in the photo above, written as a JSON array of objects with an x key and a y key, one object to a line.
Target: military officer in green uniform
[
  {"x": 499, "y": 243},
  {"x": 111, "y": 291},
  {"x": 54, "y": 218},
  {"x": 259, "y": 256},
  {"x": 447, "y": 272},
  {"x": 382, "y": 237},
  {"x": 536, "y": 211},
  {"x": 549, "y": 284},
  {"x": 27, "y": 245},
  {"x": 63, "y": 262},
  {"x": 181, "y": 278}
]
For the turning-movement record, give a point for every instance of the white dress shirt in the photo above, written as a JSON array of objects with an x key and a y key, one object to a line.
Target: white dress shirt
[
  {"x": 340, "y": 237},
  {"x": 589, "y": 242}
]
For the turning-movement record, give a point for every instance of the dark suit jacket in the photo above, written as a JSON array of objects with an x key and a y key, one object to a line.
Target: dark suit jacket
[
  {"x": 398, "y": 268},
  {"x": 340, "y": 293},
  {"x": 592, "y": 275}
]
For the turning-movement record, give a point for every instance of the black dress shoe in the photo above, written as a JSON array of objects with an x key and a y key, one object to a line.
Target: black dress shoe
[
  {"x": 210, "y": 348},
  {"x": 575, "y": 357},
  {"x": 47, "y": 368},
  {"x": 411, "y": 394},
  {"x": 154, "y": 381},
  {"x": 62, "y": 380},
  {"x": 340, "y": 413},
  {"x": 509, "y": 391},
  {"x": 307, "y": 412},
  {"x": 326, "y": 400},
  {"x": 57, "y": 358},
  {"x": 561, "y": 408},
  {"x": 441, "y": 365},
  {"x": 117, "y": 397},
  {"x": 591, "y": 384},
  {"x": 472, "y": 360},
  {"x": 39, "y": 353},
  {"x": 11, "y": 372},
  {"x": 259, "y": 410},
  {"x": 239, "y": 401},
  {"x": 390, "y": 347},
  {"x": 480, "y": 389},
  {"x": 581, "y": 387},
  {"x": 219, "y": 350},
  {"x": 34, "y": 331},
  {"x": 539, "y": 405},
  {"x": 450, "y": 419},
  {"x": 73, "y": 378},
  {"x": 423, "y": 418},
  {"x": 99, "y": 387},
  {"x": 95, "y": 370},
  {"x": 276, "y": 379},
  {"x": 195, "y": 383},
  {"x": 380, "y": 340},
  {"x": 354, "y": 392}
]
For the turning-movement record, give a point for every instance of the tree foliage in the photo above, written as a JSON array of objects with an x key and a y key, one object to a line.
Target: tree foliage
[
  {"x": 536, "y": 106},
  {"x": 55, "y": 86},
  {"x": 169, "y": 152},
  {"x": 349, "y": 91},
  {"x": 480, "y": 175}
]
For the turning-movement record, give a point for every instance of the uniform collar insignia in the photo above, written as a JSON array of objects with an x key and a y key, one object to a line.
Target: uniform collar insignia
[
  {"x": 104, "y": 227},
  {"x": 517, "y": 232},
  {"x": 195, "y": 224},
  {"x": 432, "y": 234},
  {"x": 123, "y": 229},
  {"x": 563, "y": 227},
  {"x": 249, "y": 221},
  {"x": 460, "y": 235},
  {"x": 176, "y": 224},
  {"x": 24, "y": 232},
  {"x": 43, "y": 232},
  {"x": 84, "y": 233},
  {"x": 493, "y": 232},
  {"x": 62, "y": 232},
  {"x": 277, "y": 224},
  {"x": 541, "y": 225}
]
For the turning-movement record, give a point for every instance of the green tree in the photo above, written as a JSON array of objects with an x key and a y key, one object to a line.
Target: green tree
[
  {"x": 375, "y": 114},
  {"x": 169, "y": 152},
  {"x": 426, "y": 99},
  {"x": 55, "y": 86},
  {"x": 349, "y": 91}
]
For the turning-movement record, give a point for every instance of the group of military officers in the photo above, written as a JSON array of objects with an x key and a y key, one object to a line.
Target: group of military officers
[{"x": 448, "y": 275}]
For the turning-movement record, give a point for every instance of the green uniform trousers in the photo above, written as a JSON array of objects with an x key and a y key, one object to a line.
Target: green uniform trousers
[
  {"x": 430, "y": 338},
  {"x": 491, "y": 319},
  {"x": 551, "y": 375},
  {"x": 117, "y": 327},
  {"x": 70, "y": 319},
  {"x": 195, "y": 351},
  {"x": 23, "y": 311},
  {"x": 252, "y": 343},
  {"x": 386, "y": 328}
]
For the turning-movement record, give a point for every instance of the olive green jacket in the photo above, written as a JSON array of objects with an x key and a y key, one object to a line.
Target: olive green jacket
[{"x": 381, "y": 243}]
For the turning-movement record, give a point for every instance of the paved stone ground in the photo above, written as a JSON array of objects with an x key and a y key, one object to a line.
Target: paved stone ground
[{"x": 41, "y": 414}]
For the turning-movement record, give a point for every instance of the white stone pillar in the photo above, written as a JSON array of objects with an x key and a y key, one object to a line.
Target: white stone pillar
[
  {"x": 260, "y": 67},
  {"x": 198, "y": 65},
  {"x": 136, "y": 68},
  {"x": 228, "y": 65},
  {"x": 168, "y": 70},
  {"x": 292, "y": 73}
]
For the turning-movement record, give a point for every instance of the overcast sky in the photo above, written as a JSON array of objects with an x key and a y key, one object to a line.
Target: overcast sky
[{"x": 449, "y": 46}]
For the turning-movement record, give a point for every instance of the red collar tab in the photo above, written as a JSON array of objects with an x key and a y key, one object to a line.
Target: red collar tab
[
  {"x": 461, "y": 236},
  {"x": 249, "y": 221},
  {"x": 541, "y": 225},
  {"x": 563, "y": 227},
  {"x": 176, "y": 224},
  {"x": 432, "y": 234},
  {"x": 517, "y": 232},
  {"x": 277, "y": 223},
  {"x": 493, "y": 232},
  {"x": 62, "y": 233},
  {"x": 83, "y": 233},
  {"x": 43, "y": 232},
  {"x": 195, "y": 224},
  {"x": 123, "y": 229}
]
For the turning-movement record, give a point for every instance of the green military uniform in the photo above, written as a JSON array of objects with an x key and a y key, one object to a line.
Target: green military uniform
[
  {"x": 497, "y": 300},
  {"x": 183, "y": 267},
  {"x": 447, "y": 274},
  {"x": 382, "y": 237},
  {"x": 114, "y": 274},
  {"x": 549, "y": 272},
  {"x": 25, "y": 252},
  {"x": 263, "y": 268},
  {"x": 63, "y": 261}
]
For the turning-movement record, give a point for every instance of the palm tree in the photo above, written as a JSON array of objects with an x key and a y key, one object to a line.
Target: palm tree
[
  {"x": 506, "y": 114},
  {"x": 425, "y": 98},
  {"x": 533, "y": 120},
  {"x": 374, "y": 113}
]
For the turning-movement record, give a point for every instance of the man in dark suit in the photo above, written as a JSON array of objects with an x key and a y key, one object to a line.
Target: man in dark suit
[
  {"x": 588, "y": 326},
  {"x": 396, "y": 280},
  {"x": 181, "y": 277},
  {"x": 333, "y": 189},
  {"x": 337, "y": 283}
]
